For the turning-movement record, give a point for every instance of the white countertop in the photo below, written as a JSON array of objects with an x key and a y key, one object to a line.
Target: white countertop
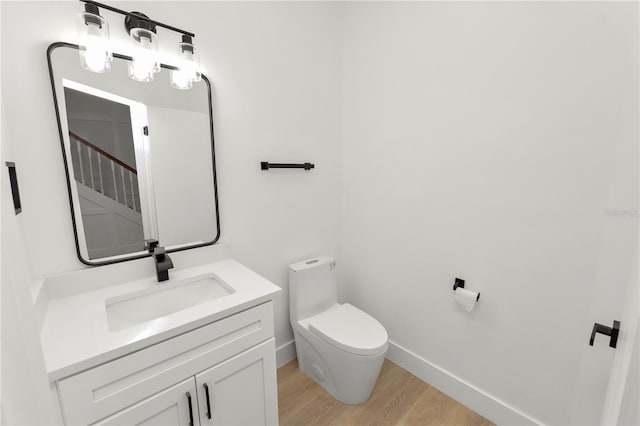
[{"x": 75, "y": 335}]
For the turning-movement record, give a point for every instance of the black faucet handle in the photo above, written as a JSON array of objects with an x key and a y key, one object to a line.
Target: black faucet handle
[{"x": 150, "y": 245}]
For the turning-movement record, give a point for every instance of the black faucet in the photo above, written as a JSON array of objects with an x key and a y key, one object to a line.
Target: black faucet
[{"x": 162, "y": 259}]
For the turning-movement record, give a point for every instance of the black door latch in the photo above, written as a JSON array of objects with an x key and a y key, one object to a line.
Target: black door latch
[{"x": 612, "y": 332}]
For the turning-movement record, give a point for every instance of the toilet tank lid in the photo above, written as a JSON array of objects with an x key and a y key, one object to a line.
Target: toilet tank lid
[
  {"x": 314, "y": 262},
  {"x": 350, "y": 329}
]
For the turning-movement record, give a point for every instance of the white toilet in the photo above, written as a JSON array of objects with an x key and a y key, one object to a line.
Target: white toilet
[{"x": 339, "y": 346}]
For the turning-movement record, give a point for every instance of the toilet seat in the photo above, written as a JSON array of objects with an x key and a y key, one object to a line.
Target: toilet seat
[{"x": 350, "y": 329}]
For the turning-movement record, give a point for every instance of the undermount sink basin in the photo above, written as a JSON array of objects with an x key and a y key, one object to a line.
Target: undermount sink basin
[{"x": 164, "y": 299}]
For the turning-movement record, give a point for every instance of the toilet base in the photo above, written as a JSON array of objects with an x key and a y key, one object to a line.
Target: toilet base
[{"x": 347, "y": 377}]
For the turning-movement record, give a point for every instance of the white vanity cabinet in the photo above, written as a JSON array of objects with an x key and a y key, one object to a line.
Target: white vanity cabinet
[
  {"x": 240, "y": 391},
  {"x": 234, "y": 357}
]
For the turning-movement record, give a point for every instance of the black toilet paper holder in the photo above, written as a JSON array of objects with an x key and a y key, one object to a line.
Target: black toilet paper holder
[{"x": 460, "y": 283}]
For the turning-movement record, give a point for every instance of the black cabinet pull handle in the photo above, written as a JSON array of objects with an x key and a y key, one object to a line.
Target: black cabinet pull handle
[
  {"x": 190, "y": 409},
  {"x": 206, "y": 395},
  {"x": 265, "y": 165},
  {"x": 612, "y": 332}
]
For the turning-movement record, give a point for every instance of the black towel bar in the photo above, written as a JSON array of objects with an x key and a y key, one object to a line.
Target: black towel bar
[{"x": 265, "y": 165}]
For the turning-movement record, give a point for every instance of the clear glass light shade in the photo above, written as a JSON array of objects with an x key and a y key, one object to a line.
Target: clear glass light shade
[
  {"x": 188, "y": 64},
  {"x": 144, "y": 63},
  {"x": 93, "y": 39}
]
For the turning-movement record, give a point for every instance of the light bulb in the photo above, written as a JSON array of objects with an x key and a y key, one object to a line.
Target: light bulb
[
  {"x": 96, "y": 55},
  {"x": 188, "y": 65},
  {"x": 144, "y": 62},
  {"x": 93, "y": 40}
]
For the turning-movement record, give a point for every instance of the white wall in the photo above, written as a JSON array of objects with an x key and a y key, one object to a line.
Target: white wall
[
  {"x": 25, "y": 397},
  {"x": 480, "y": 141},
  {"x": 629, "y": 413},
  {"x": 278, "y": 99},
  {"x": 275, "y": 68}
]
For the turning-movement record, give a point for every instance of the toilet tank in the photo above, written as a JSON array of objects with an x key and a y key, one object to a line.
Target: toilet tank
[{"x": 312, "y": 287}]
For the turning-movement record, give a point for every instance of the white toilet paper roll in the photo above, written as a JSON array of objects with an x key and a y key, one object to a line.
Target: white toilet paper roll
[{"x": 466, "y": 298}]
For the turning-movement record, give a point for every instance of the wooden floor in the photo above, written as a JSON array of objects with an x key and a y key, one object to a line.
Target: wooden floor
[{"x": 399, "y": 398}]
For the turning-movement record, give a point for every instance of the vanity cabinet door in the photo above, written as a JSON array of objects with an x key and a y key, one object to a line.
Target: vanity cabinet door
[
  {"x": 169, "y": 407},
  {"x": 241, "y": 390}
]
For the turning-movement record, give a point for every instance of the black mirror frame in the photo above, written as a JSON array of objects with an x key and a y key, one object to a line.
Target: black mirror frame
[{"x": 50, "y": 50}]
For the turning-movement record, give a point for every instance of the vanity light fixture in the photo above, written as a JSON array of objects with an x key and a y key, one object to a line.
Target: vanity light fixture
[
  {"x": 93, "y": 36},
  {"x": 144, "y": 62},
  {"x": 96, "y": 56},
  {"x": 188, "y": 67}
]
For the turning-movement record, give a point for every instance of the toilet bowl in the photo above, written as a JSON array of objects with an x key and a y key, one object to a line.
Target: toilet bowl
[{"x": 339, "y": 346}]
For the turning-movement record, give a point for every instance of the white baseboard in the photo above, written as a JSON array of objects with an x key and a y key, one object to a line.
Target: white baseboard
[
  {"x": 467, "y": 394},
  {"x": 285, "y": 353}
]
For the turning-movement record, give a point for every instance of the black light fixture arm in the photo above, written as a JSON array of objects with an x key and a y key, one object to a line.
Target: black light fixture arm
[{"x": 137, "y": 16}]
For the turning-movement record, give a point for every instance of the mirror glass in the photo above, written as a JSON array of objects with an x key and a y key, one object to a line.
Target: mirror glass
[{"x": 139, "y": 159}]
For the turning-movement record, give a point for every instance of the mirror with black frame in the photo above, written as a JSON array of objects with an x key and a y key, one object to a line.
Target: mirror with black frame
[{"x": 139, "y": 158}]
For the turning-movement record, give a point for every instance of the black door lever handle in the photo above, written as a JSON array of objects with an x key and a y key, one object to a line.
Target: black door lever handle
[{"x": 612, "y": 332}]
